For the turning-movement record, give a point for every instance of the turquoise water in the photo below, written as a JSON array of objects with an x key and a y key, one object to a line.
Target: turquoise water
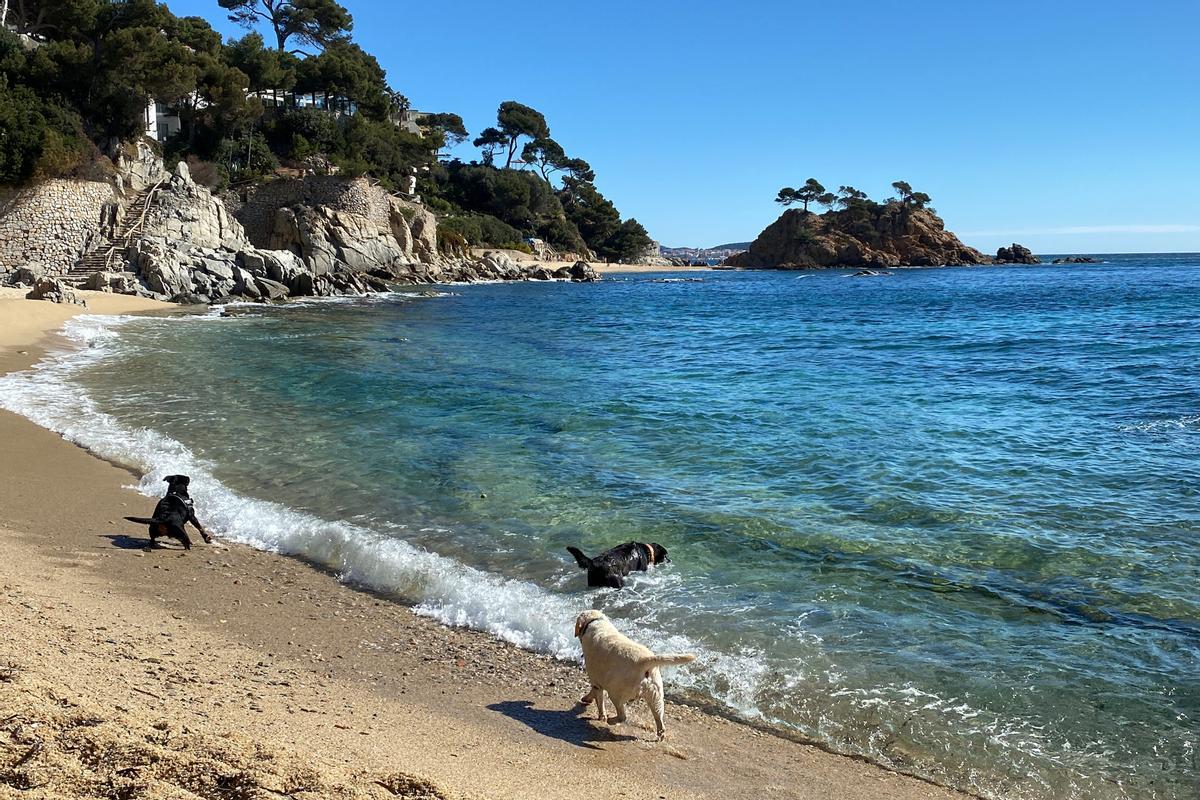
[{"x": 948, "y": 519}]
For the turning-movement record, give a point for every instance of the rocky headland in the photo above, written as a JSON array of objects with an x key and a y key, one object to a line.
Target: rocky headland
[
  {"x": 163, "y": 235},
  {"x": 891, "y": 238},
  {"x": 872, "y": 237}
]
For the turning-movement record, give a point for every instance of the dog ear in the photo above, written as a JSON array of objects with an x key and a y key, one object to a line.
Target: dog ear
[
  {"x": 583, "y": 561},
  {"x": 579, "y": 626}
]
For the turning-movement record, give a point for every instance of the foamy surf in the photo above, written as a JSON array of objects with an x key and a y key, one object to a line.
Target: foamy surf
[{"x": 442, "y": 588}]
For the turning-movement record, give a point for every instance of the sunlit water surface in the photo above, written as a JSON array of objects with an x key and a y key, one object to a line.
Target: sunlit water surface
[{"x": 948, "y": 518}]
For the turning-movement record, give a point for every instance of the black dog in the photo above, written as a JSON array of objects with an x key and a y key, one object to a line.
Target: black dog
[
  {"x": 173, "y": 512},
  {"x": 610, "y": 567}
]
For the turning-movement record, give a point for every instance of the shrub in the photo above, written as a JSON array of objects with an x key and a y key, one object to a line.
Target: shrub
[
  {"x": 451, "y": 243},
  {"x": 482, "y": 230},
  {"x": 208, "y": 174},
  {"x": 39, "y": 139}
]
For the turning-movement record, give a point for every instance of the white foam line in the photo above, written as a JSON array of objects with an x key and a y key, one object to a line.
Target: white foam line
[{"x": 513, "y": 610}]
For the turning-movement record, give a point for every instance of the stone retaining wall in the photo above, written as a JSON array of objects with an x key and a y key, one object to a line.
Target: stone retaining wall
[{"x": 55, "y": 223}]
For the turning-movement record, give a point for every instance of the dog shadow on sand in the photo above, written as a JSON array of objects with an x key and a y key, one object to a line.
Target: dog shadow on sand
[
  {"x": 124, "y": 542},
  {"x": 571, "y": 726}
]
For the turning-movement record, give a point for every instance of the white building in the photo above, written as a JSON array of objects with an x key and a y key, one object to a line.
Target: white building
[{"x": 161, "y": 122}]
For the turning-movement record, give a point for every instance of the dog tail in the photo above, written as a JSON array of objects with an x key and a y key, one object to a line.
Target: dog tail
[
  {"x": 666, "y": 660},
  {"x": 583, "y": 561},
  {"x": 142, "y": 520}
]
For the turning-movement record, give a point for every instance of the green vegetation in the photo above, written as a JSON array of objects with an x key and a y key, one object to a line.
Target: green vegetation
[
  {"x": 313, "y": 23},
  {"x": 76, "y": 80},
  {"x": 811, "y": 192},
  {"x": 852, "y": 211}
]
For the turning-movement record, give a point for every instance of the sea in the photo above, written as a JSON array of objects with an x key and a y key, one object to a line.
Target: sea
[{"x": 944, "y": 519}]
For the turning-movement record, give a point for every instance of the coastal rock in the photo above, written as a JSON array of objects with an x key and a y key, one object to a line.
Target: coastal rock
[
  {"x": 499, "y": 266},
  {"x": 896, "y": 237},
  {"x": 322, "y": 237},
  {"x": 191, "y": 299},
  {"x": 138, "y": 166},
  {"x": 116, "y": 282},
  {"x": 183, "y": 211},
  {"x": 160, "y": 267},
  {"x": 582, "y": 272},
  {"x": 422, "y": 228},
  {"x": 1016, "y": 254},
  {"x": 1075, "y": 260},
  {"x": 55, "y": 291},
  {"x": 652, "y": 256},
  {"x": 271, "y": 290},
  {"x": 26, "y": 275}
]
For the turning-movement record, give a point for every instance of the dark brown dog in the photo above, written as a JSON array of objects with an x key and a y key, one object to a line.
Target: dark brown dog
[{"x": 610, "y": 567}]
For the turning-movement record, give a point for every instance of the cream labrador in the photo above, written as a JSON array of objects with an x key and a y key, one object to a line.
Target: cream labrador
[{"x": 620, "y": 666}]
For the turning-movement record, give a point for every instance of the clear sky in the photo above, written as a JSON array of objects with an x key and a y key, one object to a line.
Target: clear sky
[{"x": 1065, "y": 125}]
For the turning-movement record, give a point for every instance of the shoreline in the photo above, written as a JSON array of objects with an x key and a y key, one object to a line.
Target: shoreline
[{"x": 347, "y": 681}]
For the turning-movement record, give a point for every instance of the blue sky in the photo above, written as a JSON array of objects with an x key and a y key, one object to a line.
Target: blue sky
[{"x": 1067, "y": 126}]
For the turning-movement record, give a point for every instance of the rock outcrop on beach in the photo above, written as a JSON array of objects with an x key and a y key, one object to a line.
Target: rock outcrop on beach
[
  {"x": 1016, "y": 254},
  {"x": 890, "y": 236},
  {"x": 55, "y": 291},
  {"x": 653, "y": 256}
]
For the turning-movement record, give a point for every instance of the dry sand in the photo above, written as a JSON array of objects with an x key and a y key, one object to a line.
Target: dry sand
[
  {"x": 231, "y": 674},
  {"x": 616, "y": 269},
  {"x": 599, "y": 266}
]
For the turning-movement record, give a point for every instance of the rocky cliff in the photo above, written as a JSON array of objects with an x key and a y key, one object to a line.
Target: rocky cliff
[
  {"x": 303, "y": 237},
  {"x": 885, "y": 236}
]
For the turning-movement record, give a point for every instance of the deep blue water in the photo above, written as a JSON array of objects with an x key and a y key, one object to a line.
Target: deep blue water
[{"x": 948, "y": 518}]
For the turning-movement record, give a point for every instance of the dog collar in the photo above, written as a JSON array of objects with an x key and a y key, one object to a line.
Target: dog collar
[
  {"x": 583, "y": 630},
  {"x": 649, "y": 551}
]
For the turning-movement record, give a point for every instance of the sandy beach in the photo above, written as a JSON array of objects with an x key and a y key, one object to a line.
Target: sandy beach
[
  {"x": 600, "y": 266},
  {"x": 617, "y": 269},
  {"x": 226, "y": 672}
]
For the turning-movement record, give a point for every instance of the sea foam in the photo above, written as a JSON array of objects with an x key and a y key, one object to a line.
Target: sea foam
[{"x": 447, "y": 590}]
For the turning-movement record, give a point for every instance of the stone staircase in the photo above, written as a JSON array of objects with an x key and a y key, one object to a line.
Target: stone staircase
[{"x": 110, "y": 255}]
